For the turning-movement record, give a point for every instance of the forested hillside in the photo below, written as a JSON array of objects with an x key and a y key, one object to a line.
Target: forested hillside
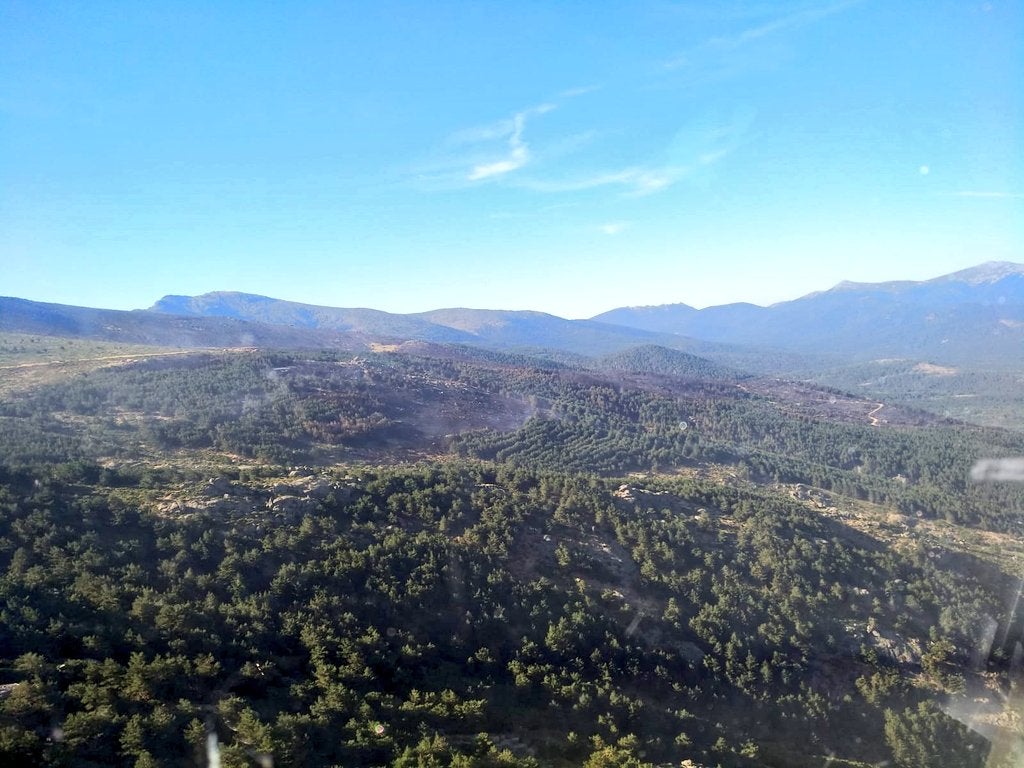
[
  {"x": 285, "y": 408},
  {"x": 414, "y": 609},
  {"x": 435, "y": 556}
]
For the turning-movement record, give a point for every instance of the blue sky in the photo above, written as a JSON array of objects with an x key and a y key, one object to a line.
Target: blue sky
[{"x": 567, "y": 157}]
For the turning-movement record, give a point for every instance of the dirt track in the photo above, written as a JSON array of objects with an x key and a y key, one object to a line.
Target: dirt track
[
  {"x": 875, "y": 421},
  {"x": 94, "y": 359}
]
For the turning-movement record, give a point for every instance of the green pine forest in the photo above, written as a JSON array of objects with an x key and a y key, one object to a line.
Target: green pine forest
[{"x": 439, "y": 556}]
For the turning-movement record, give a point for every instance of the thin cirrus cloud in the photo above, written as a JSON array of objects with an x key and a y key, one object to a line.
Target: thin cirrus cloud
[
  {"x": 514, "y": 153},
  {"x": 790, "y": 21},
  {"x": 732, "y": 42},
  {"x": 581, "y": 91},
  {"x": 492, "y": 152},
  {"x": 478, "y": 154},
  {"x": 638, "y": 181},
  {"x": 518, "y": 152},
  {"x": 500, "y": 153},
  {"x": 613, "y": 228},
  {"x": 693, "y": 149}
]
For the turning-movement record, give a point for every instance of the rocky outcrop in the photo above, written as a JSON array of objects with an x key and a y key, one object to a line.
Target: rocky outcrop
[{"x": 292, "y": 498}]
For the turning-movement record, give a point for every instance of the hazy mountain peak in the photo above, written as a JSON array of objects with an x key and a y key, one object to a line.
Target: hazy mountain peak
[
  {"x": 675, "y": 307},
  {"x": 982, "y": 274},
  {"x": 218, "y": 303},
  {"x": 989, "y": 272}
]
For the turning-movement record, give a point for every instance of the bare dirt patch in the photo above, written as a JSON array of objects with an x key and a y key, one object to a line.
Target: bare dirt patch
[{"x": 935, "y": 370}]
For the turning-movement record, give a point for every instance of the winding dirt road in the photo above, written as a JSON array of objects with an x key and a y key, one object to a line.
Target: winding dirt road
[{"x": 875, "y": 421}]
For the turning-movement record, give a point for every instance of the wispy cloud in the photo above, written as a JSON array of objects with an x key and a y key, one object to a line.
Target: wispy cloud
[
  {"x": 494, "y": 151},
  {"x": 571, "y": 93},
  {"x": 731, "y": 42},
  {"x": 478, "y": 154},
  {"x": 482, "y": 133},
  {"x": 639, "y": 181},
  {"x": 613, "y": 228},
  {"x": 524, "y": 152},
  {"x": 518, "y": 153},
  {"x": 990, "y": 195},
  {"x": 790, "y": 21},
  {"x": 712, "y": 157},
  {"x": 501, "y": 152}
]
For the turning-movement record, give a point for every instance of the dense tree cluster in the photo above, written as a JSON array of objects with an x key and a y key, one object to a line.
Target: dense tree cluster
[
  {"x": 459, "y": 614},
  {"x": 667, "y": 362},
  {"x": 607, "y": 429}
]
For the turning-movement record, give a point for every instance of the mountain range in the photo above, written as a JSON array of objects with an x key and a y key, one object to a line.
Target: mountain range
[
  {"x": 969, "y": 316},
  {"x": 975, "y": 316},
  {"x": 496, "y": 329}
]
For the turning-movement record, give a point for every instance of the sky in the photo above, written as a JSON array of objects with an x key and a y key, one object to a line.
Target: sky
[{"x": 567, "y": 157}]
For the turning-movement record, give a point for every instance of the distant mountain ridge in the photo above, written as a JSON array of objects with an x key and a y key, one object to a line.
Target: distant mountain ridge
[
  {"x": 974, "y": 316},
  {"x": 964, "y": 316},
  {"x": 263, "y": 309},
  {"x": 493, "y": 328},
  {"x": 984, "y": 282},
  {"x": 142, "y": 327}
]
